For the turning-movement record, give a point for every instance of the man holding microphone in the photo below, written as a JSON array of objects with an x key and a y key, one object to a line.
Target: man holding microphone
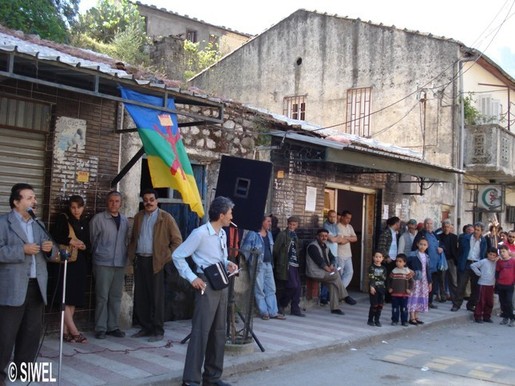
[{"x": 24, "y": 250}]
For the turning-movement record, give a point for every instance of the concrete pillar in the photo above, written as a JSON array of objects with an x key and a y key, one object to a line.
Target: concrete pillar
[{"x": 130, "y": 188}]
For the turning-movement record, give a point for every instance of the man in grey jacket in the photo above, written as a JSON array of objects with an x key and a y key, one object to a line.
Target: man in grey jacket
[
  {"x": 109, "y": 236},
  {"x": 24, "y": 250}
]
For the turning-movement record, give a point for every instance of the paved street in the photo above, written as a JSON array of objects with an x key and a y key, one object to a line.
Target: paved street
[
  {"x": 132, "y": 361},
  {"x": 464, "y": 354}
]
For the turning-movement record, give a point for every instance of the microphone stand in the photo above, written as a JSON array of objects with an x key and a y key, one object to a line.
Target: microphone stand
[
  {"x": 64, "y": 256},
  {"x": 63, "y": 253}
]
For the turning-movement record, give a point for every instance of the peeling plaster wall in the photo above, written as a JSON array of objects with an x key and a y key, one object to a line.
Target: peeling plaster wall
[
  {"x": 337, "y": 54},
  {"x": 412, "y": 77}
]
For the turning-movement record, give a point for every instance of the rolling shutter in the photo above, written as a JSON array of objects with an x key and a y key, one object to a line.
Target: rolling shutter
[{"x": 22, "y": 159}]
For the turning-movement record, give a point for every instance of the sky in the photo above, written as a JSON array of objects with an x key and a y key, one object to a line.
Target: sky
[{"x": 488, "y": 26}]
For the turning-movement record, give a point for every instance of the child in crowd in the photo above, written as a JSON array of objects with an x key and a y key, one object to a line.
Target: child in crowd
[
  {"x": 505, "y": 272},
  {"x": 377, "y": 282},
  {"x": 400, "y": 284},
  {"x": 485, "y": 269},
  {"x": 418, "y": 261}
]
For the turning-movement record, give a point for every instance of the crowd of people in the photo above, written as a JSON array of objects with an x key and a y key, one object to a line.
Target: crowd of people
[
  {"x": 440, "y": 267},
  {"x": 413, "y": 270}
]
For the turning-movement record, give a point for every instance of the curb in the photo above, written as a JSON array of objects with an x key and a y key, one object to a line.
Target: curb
[{"x": 240, "y": 365}]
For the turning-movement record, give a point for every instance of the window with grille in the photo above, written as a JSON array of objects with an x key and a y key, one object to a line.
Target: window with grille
[
  {"x": 191, "y": 35},
  {"x": 295, "y": 107},
  {"x": 358, "y": 111}
]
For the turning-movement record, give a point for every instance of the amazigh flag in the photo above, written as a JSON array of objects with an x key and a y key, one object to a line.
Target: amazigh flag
[{"x": 167, "y": 158}]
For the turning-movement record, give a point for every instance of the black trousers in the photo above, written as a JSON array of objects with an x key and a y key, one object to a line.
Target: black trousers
[
  {"x": 149, "y": 296},
  {"x": 506, "y": 299},
  {"x": 20, "y": 329},
  {"x": 463, "y": 279}
]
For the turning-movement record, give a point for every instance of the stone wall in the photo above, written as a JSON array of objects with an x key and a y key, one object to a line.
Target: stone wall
[
  {"x": 168, "y": 56},
  {"x": 161, "y": 22},
  {"x": 323, "y": 56},
  {"x": 411, "y": 77}
]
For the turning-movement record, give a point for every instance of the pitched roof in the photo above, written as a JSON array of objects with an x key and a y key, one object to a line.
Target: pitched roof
[{"x": 194, "y": 19}]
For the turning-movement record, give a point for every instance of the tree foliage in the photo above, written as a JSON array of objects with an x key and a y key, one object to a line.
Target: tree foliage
[
  {"x": 197, "y": 59},
  {"x": 471, "y": 113},
  {"x": 108, "y": 18},
  {"x": 129, "y": 45},
  {"x": 47, "y": 18},
  {"x": 115, "y": 28}
]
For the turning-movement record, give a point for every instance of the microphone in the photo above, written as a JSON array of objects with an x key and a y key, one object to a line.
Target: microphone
[
  {"x": 31, "y": 213},
  {"x": 62, "y": 252}
]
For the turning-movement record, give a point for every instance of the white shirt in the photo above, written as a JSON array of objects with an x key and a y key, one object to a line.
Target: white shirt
[
  {"x": 475, "y": 246},
  {"x": 344, "y": 250},
  {"x": 205, "y": 246}
]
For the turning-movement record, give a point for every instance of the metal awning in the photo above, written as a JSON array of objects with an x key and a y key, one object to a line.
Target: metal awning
[
  {"x": 373, "y": 158},
  {"x": 38, "y": 63}
]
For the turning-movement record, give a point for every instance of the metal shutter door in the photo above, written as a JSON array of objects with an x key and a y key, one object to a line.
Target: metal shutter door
[{"x": 22, "y": 159}]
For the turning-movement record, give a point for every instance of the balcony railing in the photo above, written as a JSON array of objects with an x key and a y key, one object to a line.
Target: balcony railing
[{"x": 489, "y": 152}]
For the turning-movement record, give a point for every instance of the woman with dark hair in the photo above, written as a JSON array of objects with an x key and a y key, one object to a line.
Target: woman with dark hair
[{"x": 77, "y": 270}]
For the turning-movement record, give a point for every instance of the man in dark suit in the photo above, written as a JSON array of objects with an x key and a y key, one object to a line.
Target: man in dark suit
[
  {"x": 472, "y": 247},
  {"x": 449, "y": 244},
  {"x": 24, "y": 249}
]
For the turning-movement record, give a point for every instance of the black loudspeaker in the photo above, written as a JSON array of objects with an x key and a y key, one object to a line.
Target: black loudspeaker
[{"x": 245, "y": 182}]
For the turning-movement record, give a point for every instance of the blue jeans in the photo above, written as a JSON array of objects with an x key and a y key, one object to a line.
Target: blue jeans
[
  {"x": 399, "y": 306},
  {"x": 347, "y": 270},
  {"x": 264, "y": 291}
]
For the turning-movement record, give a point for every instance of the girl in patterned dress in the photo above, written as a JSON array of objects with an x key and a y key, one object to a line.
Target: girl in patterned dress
[{"x": 418, "y": 301}]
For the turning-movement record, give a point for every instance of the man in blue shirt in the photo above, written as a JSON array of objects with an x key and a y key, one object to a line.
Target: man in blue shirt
[
  {"x": 260, "y": 245},
  {"x": 207, "y": 245}
]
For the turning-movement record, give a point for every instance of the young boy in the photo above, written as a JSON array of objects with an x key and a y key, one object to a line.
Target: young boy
[
  {"x": 485, "y": 269},
  {"x": 505, "y": 270},
  {"x": 377, "y": 275},
  {"x": 400, "y": 284}
]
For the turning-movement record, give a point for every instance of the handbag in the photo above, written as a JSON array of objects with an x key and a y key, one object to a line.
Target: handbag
[
  {"x": 442, "y": 263},
  {"x": 216, "y": 276},
  {"x": 68, "y": 249}
]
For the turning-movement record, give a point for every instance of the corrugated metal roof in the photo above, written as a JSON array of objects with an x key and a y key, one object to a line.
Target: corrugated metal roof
[
  {"x": 335, "y": 139},
  {"x": 16, "y": 42},
  {"x": 11, "y": 43},
  {"x": 31, "y": 59}
]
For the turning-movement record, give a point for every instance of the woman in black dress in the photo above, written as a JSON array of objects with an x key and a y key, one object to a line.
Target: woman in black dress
[{"x": 77, "y": 270}]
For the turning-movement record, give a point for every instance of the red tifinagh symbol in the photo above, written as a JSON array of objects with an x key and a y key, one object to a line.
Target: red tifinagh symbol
[
  {"x": 493, "y": 196},
  {"x": 172, "y": 139}
]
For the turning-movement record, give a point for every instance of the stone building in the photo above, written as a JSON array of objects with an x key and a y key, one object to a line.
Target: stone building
[
  {"x": 162, "y": 23},
  {"x": 381, "y": 83}
]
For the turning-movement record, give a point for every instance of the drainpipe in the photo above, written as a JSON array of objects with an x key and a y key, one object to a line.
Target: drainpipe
[{"x": 461, "y": 144}]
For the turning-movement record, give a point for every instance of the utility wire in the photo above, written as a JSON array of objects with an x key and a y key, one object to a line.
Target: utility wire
[{"x": 454, "y": 77}]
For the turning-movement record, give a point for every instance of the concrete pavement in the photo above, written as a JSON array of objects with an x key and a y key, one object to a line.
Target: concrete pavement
[{"x": 134, "y": 361}]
